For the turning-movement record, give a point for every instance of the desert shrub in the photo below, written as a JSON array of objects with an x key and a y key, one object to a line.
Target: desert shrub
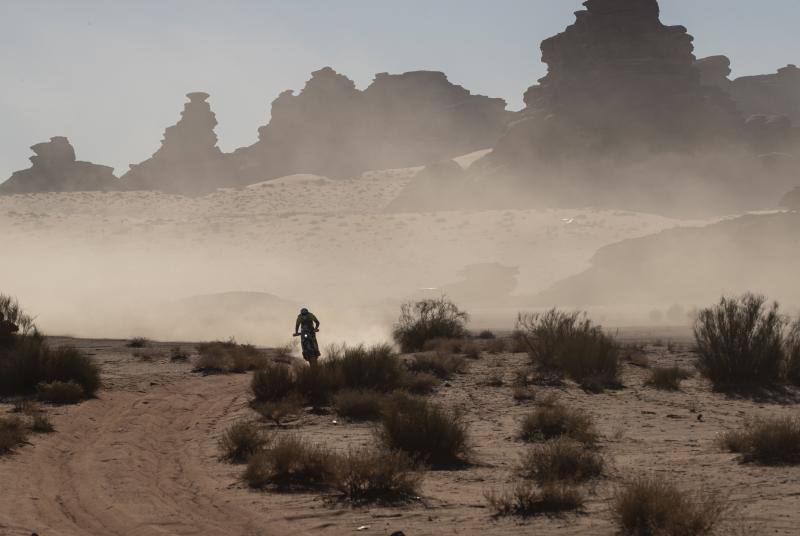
[
  {"x": 138, "y": 342},
  {"x": 773, "y": 441},
  {"x": 650, "y": 506},
  {"x": 271, "y": 383},
  {"x": 445, "y": 345},
  {"x": 486, "y": 335},
  {"x": 419, "y": 383},
  {"x": 375, "y": 367},
  {"x": 13, "y": 313},
  {"x": 667, "y": 378},
  {"x": 556, "y": 420},
  {"x": 41, "y": 423},
  {"x": 31, "y": 361},
  {"x": 60, "y": 392},
  {"x": 425, "y": 320},
  {"x": 526, "y": 500},
  {"x": 359, "y": 405},
  {"x": 291, "y": 462},
  {"x": 570, "y": 344},
  {"x": 279, "y": 411},
  {"x": 229, "y": 356},
  {"x": 793, "y": 354},
  {"x": 740, "y": 341},
  {"x": 318, "y": 382},
  {"x": 424, "y": 430},
  {"x": 496, "y": 346},
  {"x": 559, "y": 460},
  {"x": 371, "y": 475},
  {"x": 13, "y": 433},
  {"x": 284, "y": 350},
  {"x": 241, "y": 441},
  {"x": 443, "y": 366}
]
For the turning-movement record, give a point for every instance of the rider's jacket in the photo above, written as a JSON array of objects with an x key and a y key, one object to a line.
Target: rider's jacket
[{"x": 306, "y": 321}]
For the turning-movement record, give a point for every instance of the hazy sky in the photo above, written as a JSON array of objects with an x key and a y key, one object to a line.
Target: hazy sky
[{"x": 112, "y": 74}]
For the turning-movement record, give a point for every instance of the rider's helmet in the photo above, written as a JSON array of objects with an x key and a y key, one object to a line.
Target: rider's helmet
[{"x": 303, "y": 311}]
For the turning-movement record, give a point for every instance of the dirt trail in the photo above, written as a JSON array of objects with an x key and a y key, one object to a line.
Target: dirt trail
[{"x": 132, "y": 463}]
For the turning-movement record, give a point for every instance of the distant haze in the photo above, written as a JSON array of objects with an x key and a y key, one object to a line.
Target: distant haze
[{"x": 112, "y": 75}]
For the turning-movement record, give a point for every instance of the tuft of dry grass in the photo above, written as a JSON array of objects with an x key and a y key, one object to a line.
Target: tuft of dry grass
[
  {"x": 272, "y": 383},
  {"x": 496, "y": 346},
  {"x": 667, "y": 378},
  {"x": 58, "y": 392},
  {"x": 523, "y": 393},
  {"x": 424, "y": 430},
  {"x": 359, "y": 405},
  {"x": 561, "y": 460},
  {"x": 241, "y": 441},
  {"x": 229, "y": 357},
  {"x": 292, "y": 463},
  {"x": 41, "y": 423},
  {"x": 772, "y": 441},
  {"x": 555, "y": 420},
  {"x": 471, "y": 350},
  {"x": 649, "y": 506},
  {"x": 178, "y": 354},
  {"x": 443, "y": 366},
  {"x": 426, "y": 320},
  {"x": 373, "y": 475},
  {"x": 527, "y": 500},
  {"x": 13, "y": 433}
]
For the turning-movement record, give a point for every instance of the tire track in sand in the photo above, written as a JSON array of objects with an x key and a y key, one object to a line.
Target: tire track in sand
[{"x": 134, "y": 464}]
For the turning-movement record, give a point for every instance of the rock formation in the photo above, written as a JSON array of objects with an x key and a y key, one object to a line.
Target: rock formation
[
  {"x": 55, "y": 169},
  {"x": 331, "y": 128},
  {"x": 618, "y": 79},
  {"x": 188, "y": 161},
  {"x": 768, "y": 95}
]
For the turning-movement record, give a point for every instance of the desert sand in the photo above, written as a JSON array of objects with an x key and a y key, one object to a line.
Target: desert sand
[{"x": 143, "y": 458}]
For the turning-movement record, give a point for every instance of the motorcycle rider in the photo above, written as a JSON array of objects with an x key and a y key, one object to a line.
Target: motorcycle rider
[{"x": 307, "y": 325}]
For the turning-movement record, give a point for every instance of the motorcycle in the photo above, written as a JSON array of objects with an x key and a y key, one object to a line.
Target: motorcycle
[{"x": 308, "y": 342}]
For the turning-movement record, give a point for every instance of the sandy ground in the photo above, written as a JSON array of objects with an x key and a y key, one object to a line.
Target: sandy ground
[{"x": 142, "y": 458}]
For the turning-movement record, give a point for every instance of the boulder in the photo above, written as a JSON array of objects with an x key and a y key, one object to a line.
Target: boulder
[{"x": 56, "y": 169}]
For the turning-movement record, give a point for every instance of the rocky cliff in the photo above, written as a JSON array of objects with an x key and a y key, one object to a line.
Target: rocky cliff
[{"x": 55, "y": 169}]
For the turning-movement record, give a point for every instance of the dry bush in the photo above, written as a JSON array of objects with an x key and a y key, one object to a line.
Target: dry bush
[
  {"x": 496, "y": 346},
  {"x": 519, "y": 343},
  {"x": 561, "y": 460},
  {"x": 271, "y": 383},
  {"x": 284, "y": 351},
  {"x": 228, "y": 357},
  {"x": 31, "y": 361},
  {"x": 375, "y": 367},
  {"x": 667, "y": 378},
  {"x": 13, "y": 433},
  {"x": 570, "y": 344},
  {"x": 556, "y": 420},
  {"x": 292, "y": 463},
  {"x": 138, "y": 342},
  {"x": 485, "y": 335},
  {"x": 424, "y": 430},
  {"x": 527, "y": 500},
  {"x": 650, "y": 506},
  {"x": 443, "y": 366},
  {"x": 371, "y": 475},
  {"x": 318, "y": 382},
  {"x": 774, "y": 441},
  {"x": 279, "y": 411},
  {"x": 740, "y": 342},
  {"x": 419, "y": 383},
  {"x": 13, "y": 313},
  {"x": 41, "y": 423},
  {"x": 445, "y": 346},
  {"x": 359, "y": 405},
  {"x": 426, "y": 320},
  {"x": 241, "y": 441},
  {"x": 793, "y": 354},
  {"x": 60, "y": 392}
]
